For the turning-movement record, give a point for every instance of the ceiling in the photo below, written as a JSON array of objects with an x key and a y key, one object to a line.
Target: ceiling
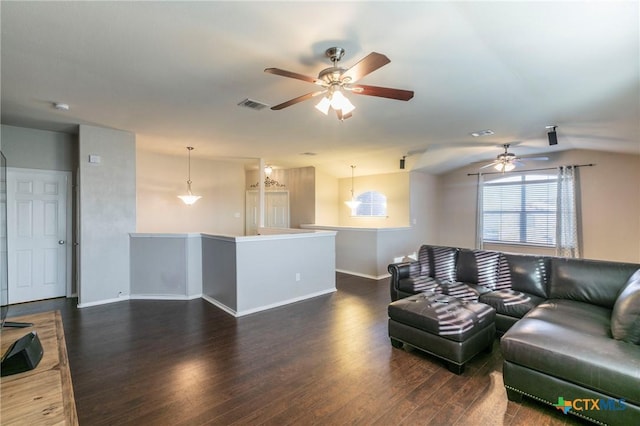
[{"x": 174, "y": 72}]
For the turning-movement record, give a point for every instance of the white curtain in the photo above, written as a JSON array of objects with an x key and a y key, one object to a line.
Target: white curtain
[
  {"x": 480, "y": 214},
  {"x": 566, "y": 221}
]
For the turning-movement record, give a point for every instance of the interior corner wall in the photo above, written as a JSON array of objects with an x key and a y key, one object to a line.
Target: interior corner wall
[
  {"x": 107, "y": 213},
  {"x": 326, "y": 203},
  {"x": 302, "y": 198},
  {"x": 609, "y": 204}
]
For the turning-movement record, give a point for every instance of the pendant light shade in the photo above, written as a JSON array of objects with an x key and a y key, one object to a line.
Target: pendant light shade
[
  {"x": 337, "y": 101},
  {"x": 189, "y": 198},
  {"x": 505, "y": 166},
  {"x": 353, "y": 203}
]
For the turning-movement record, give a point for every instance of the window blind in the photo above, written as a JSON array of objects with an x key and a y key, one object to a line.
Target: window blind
[{"x": 520, "y": 210}]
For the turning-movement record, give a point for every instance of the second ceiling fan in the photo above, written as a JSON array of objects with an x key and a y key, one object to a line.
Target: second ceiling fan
[
  {"x": 334, "y": 80},
  {"x": 508, "y": 161}
]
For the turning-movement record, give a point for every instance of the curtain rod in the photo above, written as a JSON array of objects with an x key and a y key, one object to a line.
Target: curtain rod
[{"x": 531, "y": 170}]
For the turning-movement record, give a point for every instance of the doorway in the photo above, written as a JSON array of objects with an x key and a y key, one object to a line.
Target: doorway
[{"x": 39, "y": 234}]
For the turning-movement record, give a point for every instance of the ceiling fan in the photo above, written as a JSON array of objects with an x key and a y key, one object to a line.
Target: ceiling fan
[
  {"x": 507, "y": 161},
  {"x": 335, "y": 80}
]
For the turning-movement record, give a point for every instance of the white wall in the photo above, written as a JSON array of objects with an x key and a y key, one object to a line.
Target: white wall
[
  {"x": 107, "y": 213},
  {"x": 424, "y": 205},
  {"x": 326, "y": 199},
  {"x": 609, "y": 205},
  {"x": 395, "y": 186},
  {"x": 161, "y": 178}
]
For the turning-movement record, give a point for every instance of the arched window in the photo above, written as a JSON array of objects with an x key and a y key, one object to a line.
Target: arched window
[{"x": 372, "y": 204}]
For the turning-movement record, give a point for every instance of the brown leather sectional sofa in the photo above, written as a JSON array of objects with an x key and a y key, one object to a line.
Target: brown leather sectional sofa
[{"x": 570, "y": 327}]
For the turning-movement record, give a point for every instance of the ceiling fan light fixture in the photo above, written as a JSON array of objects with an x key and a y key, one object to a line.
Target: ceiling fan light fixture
[
  {"x": 338, "y": 100},
  {"x": 505, "y": 166},
  {"x": 323, "y": 105}
]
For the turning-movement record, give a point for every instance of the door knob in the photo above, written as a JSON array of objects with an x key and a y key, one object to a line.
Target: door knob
[{"x": 61, "y": 242}]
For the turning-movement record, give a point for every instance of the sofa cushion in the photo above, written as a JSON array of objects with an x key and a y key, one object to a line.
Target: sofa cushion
[
  {"x": 571, "y": 341},
  {"x": 418, "y": 284},
  {"x": 510, "y": 302},
  {"x": 424, "y": 260},
  {"x": 444, "y": 263},
  {"x": 589, "y": 281},
  {"x": 463, "y": 291},
  {"x": 625, "y": 318},
  {"x": 478, "y": 267},
  {"x": 444, "y": 316},
  {"x": 523, "y": 273}
]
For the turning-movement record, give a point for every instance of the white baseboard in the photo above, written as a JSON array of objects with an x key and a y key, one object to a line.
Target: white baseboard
[
  {"x": 358, "y": 274},
  {"x": 264, "y": 307},
  {"x": 103, "y": 302},
  {"x": 164, "y": 297},
  {"x": 141, "y": 297}
]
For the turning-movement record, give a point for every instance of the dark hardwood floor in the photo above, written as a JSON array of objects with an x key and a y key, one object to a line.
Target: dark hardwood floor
[{"x": 327, "y": 360}]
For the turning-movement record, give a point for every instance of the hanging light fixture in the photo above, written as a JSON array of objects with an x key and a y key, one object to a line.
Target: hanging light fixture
[
  {"x": 353, "y": 203},
  {"x": 336, "y": 100},
  {"x": 189, "y": 198},
  {"x": 504, "y": 166}
]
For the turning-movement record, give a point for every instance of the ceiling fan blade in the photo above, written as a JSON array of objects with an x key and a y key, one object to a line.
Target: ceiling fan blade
[
  {"x": 367, "y": 65},
  {"x": 534, "y": 158},
  {"x": 382, "y": 92},
  {"x": 489, "y": 165},
  {"x": 290, "y": 74},
  {"x": 297, "y": 100}
]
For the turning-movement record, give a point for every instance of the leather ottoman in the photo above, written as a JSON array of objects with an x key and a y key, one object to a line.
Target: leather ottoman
[{"x": 451, "y": 329}]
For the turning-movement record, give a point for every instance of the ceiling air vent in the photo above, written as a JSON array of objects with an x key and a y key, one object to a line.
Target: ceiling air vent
[
  {"x": 250, "y": 103},
  {"x": 482, "y": 133}
]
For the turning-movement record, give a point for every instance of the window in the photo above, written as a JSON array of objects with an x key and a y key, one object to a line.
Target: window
[
  {"x": 520, "y": 210},
  {"x": 372, "y": 203}
]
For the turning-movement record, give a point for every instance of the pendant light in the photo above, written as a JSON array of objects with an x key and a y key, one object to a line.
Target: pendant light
[
  {"x": 353, "y": 203},
  {"x": 189, "y": 198}
]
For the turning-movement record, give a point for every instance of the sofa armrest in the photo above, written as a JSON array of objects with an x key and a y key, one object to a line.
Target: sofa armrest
[{"x": 398, "y": 271}]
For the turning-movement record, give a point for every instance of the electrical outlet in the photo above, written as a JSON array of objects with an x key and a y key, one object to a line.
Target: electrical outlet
[{"x": 298, "y": 276}]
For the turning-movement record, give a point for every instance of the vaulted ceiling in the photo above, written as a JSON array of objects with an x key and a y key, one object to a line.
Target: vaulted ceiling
[{"x": 174, "y": 72}]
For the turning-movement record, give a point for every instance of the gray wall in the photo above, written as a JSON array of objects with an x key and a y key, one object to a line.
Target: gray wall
[
  {"x": 107, "y": 213},
  {"x": 39, "y": 149}
]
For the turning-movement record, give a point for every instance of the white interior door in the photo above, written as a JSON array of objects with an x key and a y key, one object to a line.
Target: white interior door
[
  {"x": 277, "y": 209},
  {"x": 37, "y": 234},
  {"x": 276, "y": 213}
]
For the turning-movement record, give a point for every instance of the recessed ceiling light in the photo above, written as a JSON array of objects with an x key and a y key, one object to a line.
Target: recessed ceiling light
[
  {"x": 479, "y": 133},
  {"x": 308, "y": 153},
  {"x": 60, "y": 106}
]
